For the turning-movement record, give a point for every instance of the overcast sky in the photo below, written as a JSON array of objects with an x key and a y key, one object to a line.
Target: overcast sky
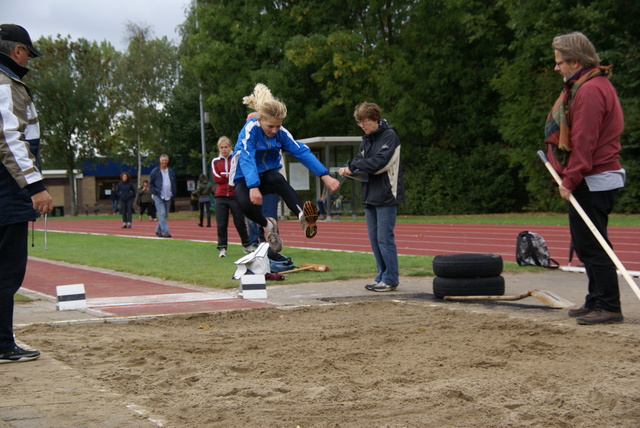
[{"x": 94, "y": 19}]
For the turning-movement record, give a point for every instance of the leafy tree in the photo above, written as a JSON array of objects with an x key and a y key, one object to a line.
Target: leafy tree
[
  {"x": 73, "y": 92},
  {"x": 467, "y": 83},
  {"x": 529, "y": 85},
  {"x": 145, "y": 75},
  {"x": 182, "y": 123}
]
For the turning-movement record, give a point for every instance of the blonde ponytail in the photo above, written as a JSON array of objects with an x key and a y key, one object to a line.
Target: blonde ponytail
[{"x": 265, "y": 104}]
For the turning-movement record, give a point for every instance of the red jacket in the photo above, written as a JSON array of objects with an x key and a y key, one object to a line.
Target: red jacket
[
  {"x": 596, "y": 122},
  {"x": 220, "y": 171}
]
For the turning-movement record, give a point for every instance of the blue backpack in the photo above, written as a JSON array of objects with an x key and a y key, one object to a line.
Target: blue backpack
[{"x": 279, "y": 263}]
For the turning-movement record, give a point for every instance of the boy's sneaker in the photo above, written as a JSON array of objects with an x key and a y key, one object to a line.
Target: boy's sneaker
[
  {"x": 18, "y": 355},
  {"x": 249, "y": 249},
  {"x": 309, "y": 218},
  {"x": 223, "y": 252},
  {"x": 272, "y": 236},
  {"x": 380, "y": 287}
]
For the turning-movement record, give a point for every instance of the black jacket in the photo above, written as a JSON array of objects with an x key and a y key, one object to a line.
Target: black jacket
[
  {"x": 126, "y": 190},
  {"x": 379, "y": 156}
]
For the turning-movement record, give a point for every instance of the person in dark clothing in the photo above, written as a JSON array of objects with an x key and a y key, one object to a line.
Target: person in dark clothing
[
  {"x": 114, "y": 198},
  {"x": 145, "y": 203},
  {"x": 23, "y": 196},
  {"x": 126, "y": 192},
  {"x": 203, "y": 193},
  {"x": 379, "y": 158}
]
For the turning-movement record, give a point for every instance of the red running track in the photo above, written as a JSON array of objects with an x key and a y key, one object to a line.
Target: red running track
[{"x": 411, "y": 238}]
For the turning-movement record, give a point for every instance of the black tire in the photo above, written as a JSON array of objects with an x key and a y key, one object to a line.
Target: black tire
[
  {"x": 492, "y": 286},
  {"x": 467, "y": 265}
]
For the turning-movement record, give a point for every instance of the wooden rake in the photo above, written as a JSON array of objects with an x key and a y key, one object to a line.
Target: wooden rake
[
  {"x": 548, "y": 298},
  {"x": 308, "y": 266}
]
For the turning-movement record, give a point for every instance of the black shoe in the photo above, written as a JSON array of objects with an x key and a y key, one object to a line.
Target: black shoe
[
  {"x": 18, "y": 355},
  {"x": 380, "y": 287},
  {"x": 574, "y": 313},
  {"x": 199, "y": 224},
  {"x": 600, "y": 316},
  {"x": 166, "y": 235},
  {"x": 159, "y": 234}
]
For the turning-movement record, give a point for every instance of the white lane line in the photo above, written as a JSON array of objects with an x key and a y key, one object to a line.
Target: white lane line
[{"x": 160, "y": 298}]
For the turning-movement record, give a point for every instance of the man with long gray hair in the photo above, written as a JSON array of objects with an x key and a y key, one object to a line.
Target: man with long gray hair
[{"x": 583, "y": 135}]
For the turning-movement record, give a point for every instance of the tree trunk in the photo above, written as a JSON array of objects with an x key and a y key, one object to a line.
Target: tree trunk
[
  {"x": 139, "y": 160},
  {"x": 73, "y": 192}
]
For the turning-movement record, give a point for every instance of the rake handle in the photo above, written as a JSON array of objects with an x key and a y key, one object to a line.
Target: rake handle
[
  {"x": 297, "y": 270},
  {"x": 592, "y": 227},
  {"x": 515, "y": 297}
]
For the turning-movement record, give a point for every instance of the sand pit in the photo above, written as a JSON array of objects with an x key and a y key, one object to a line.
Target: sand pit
[{"x": 371, "y": 364}]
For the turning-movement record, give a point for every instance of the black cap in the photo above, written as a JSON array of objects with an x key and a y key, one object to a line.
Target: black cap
[{"x": 15, "y": 33}]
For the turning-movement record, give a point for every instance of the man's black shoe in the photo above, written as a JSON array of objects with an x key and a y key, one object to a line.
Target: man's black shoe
[
  {"x": 579, "y": 311},
  {"x": 600, "y": 316},
  {"x": 18, "y": 355}
]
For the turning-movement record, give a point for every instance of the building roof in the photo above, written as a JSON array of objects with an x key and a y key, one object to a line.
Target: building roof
[{"x": 111, "y": 167}]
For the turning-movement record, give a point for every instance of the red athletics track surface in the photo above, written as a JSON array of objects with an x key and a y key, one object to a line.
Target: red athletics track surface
[{"x": 411, "y": 238}]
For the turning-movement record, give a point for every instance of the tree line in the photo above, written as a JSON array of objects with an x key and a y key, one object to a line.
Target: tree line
[{"x": 467, "y": 83}]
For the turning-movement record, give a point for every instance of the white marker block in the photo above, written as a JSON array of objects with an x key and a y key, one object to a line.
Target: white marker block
[
  {"x": 253, "y": 287},
  {"x": 71, "y": 297}
]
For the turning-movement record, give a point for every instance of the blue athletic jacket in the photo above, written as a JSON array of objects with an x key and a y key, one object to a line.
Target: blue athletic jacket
[{"x": 254, "y": 154}]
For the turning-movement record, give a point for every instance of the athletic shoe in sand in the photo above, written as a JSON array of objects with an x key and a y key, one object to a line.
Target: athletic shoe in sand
[
  {"x": 272, "y": 236},
  {"x": 18, "y": 355},
  {"x": 381, "y": 287},
  {"x": 309, "y": 218}
]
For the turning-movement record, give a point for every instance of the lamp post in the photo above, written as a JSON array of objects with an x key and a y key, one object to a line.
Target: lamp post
[{"x": 202, "y": 115}]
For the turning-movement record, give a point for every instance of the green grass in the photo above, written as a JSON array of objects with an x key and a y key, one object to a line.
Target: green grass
[
  {"x": 535, "y": 219},
  {"x": 198, "y": 263},
  {"x": 19, "y": 298}
]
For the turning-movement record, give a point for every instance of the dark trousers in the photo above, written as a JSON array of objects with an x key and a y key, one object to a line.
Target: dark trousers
[
  {"x": 604, "y": 291},
  {"x": 271, "y": 182},
  {"x": 149, "y": 207},
  {"x": 126, "y": 207},
  {"x": 13, "y": 265},
  {"x": 204, "y": 207},
  {"x": 224, "y": 204}
]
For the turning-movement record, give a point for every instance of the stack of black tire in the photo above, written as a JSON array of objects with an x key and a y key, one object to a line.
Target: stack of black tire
[{"x": 468, "y": 275}]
